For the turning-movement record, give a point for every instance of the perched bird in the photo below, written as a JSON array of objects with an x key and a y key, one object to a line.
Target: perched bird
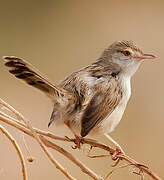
[{"x": 92, "y": 100}]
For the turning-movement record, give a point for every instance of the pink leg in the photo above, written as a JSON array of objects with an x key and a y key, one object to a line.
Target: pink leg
[
  {"x": 118, "y": 150},
  {"x": 77, "y": 138}
]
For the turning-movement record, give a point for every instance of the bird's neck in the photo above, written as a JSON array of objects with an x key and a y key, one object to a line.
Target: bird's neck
[
  {"x": 129, "y": 69},
  {"x": 108, "y": 66},
  {"x": 121, "y": 69}
]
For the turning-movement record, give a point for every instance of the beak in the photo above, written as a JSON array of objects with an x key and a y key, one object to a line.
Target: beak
[{"x": 146, "y": 57}]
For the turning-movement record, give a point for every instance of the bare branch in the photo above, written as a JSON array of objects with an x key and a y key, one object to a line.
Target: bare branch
[
  {"x": 10, "y": 108},
  {"x": 24, "y": 127},
  {"x": 17, "y": 124},
  {"x": 35, "y": 135},
  {"x": 18, "y": 150},
  {"x": 72, "y": 158},
  {"x": 123, "y": 166}
]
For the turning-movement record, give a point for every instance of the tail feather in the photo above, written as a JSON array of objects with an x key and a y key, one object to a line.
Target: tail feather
[{"x": 25, "y": 71}]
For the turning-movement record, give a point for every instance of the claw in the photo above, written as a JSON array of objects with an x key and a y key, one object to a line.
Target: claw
[
  {"x": 118, "y": 151},
  {"x": 116, "y": 163},
  {"x": 78, "y": 142}
]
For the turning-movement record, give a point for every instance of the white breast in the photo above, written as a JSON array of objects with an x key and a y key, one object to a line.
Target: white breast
[{"x": 114, "y": 118}]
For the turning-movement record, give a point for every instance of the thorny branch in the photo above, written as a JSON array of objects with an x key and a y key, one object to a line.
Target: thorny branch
[{"x": 23, "y": 125}]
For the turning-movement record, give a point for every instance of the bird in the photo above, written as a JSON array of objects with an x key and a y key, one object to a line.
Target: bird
[{"x": 90, "y": 101}]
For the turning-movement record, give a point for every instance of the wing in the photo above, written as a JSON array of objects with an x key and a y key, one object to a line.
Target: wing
[
  {"x": 100, "y": 106},
  {"x": 25, "y": 71}
]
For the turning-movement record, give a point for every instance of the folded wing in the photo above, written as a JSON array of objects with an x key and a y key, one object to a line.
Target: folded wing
[{"x": 101, "y": 105}]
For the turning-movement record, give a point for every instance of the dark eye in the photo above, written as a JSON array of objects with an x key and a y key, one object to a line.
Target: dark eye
[{"x": 126, "y": 53}]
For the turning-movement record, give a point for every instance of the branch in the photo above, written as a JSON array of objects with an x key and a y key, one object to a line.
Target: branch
[
  {"x": 18, "y": 150},
  {"x": 5, "y": 118},
  {"x": 23, "y": 126},
  {"x": 35, "y": 135}
]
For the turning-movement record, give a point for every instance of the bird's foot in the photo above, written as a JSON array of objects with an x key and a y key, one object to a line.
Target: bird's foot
[
  {"x": 115, "y": 156},
  {"x": 117, "y": 152},
  {"x": 78, "y": 142}
]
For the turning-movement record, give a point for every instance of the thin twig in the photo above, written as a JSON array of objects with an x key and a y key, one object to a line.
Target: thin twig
[
  {"x": 120, "y": 167},
  {"x": 143, "y": 168},
  {"x": 10, "y": 108},
  {"x": 18, "y": 150},
  {"x": 71, "y": 157},
  {"x": 35, "y": 135},
  {"x": 21, "y": 126},
  {"x": 54, "y": 146}
]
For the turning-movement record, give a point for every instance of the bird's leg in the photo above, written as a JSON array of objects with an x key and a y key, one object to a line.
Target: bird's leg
[
  {"x": 118, "y": 150},
  {"x": 78, "y": 139}
]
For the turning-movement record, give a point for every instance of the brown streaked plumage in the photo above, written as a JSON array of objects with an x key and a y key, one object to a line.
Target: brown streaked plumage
[
  {"x": 25, "y": 71},
  {"x": 93, "y": 99}
]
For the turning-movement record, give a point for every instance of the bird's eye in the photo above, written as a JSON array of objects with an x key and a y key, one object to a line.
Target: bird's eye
[{"x": 126, "y": 53}]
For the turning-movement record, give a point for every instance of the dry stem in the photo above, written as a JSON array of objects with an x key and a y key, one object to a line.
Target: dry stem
[
  {"x": 35, "y": 135},
  {"x": 39, "y": 136},
  {"x": 18, "y": 150}
]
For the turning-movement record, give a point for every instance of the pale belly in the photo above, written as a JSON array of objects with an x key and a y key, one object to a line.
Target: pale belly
[
  {"x": 112, "y": 120},
  {"x": 106, "y": 126},
  {"x": 109, "y": 124}
]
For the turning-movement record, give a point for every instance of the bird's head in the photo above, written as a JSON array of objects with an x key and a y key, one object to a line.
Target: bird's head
[{"x": 127, "y": 55}]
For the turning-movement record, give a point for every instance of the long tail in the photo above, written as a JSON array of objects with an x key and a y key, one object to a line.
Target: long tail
[{"x": 25, "y": 71}]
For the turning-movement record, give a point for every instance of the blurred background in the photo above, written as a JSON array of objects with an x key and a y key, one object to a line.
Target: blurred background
[{"x": 59, "y": 37}]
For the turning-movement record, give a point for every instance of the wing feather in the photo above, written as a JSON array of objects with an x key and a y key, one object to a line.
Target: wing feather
[{"x": 100, "y": 106}]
